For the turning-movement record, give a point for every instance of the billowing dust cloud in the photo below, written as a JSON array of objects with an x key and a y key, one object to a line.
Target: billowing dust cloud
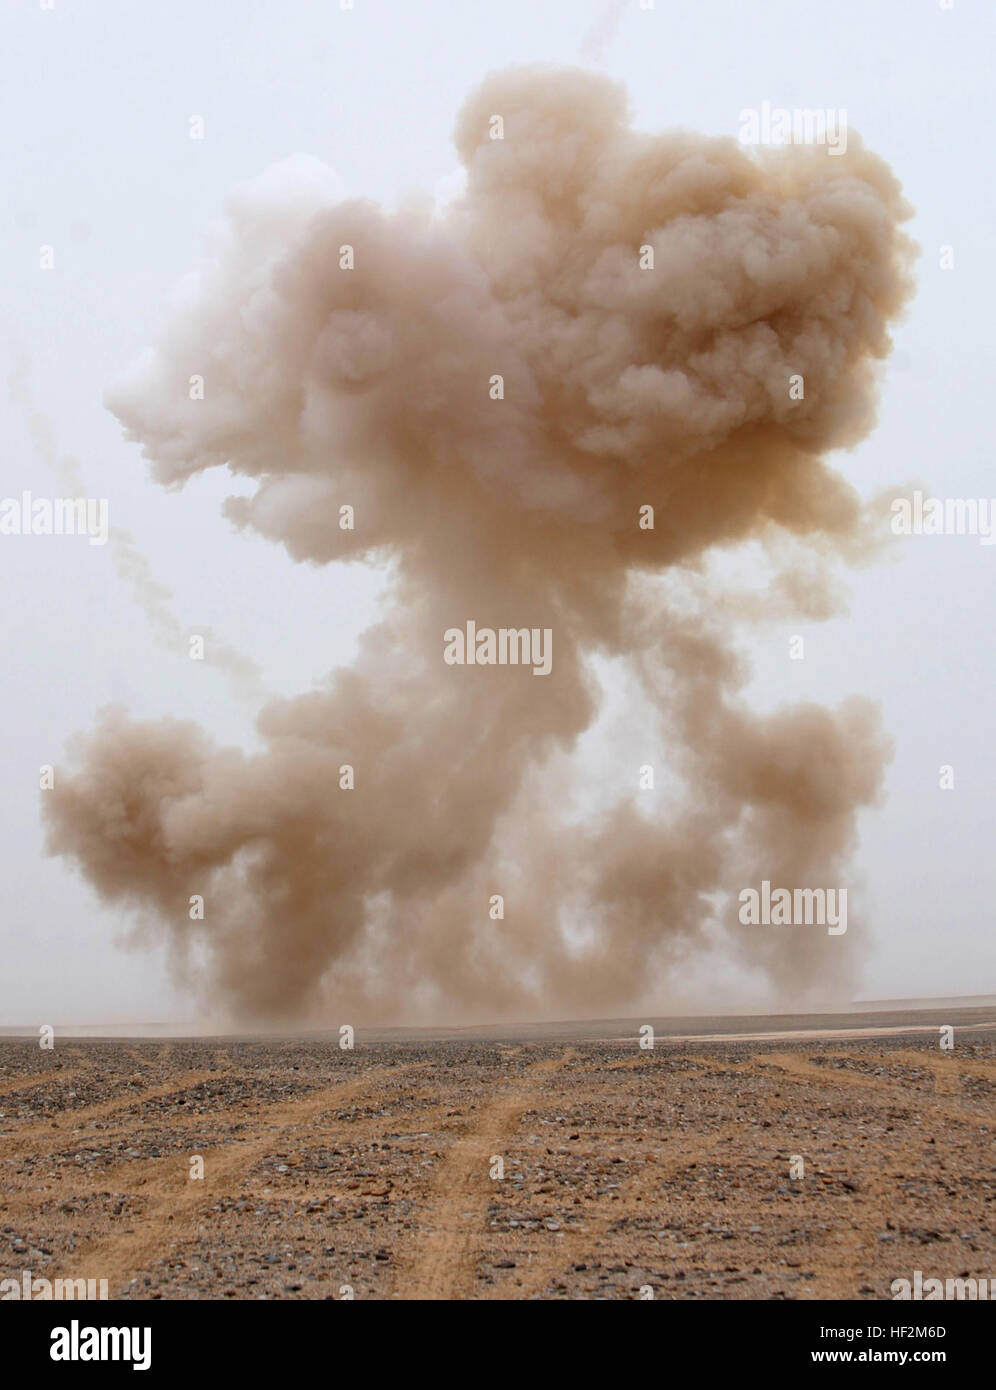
[{"x": 515, "y": 504}]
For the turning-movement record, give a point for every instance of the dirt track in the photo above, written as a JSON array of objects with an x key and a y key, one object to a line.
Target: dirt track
[{"x": 622, "y": 1168}]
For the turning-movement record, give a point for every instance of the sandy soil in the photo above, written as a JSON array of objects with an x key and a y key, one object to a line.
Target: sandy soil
[{"x": 623, "y": 1168}]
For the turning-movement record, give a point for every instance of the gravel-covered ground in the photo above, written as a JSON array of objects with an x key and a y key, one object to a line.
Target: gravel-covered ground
[{"x": 372, "y": 1170}]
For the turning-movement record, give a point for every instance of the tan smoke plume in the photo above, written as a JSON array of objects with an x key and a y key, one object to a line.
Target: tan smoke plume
[{"x": 624, "y": 386}]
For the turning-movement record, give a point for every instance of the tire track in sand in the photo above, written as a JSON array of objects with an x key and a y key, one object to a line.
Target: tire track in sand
[
  {"x": 173, "y": 1200},
  {"x": 442, "y": 1265},
  {"x": 944, "y": 1097},
  {"x": 38, "y": 1078}
]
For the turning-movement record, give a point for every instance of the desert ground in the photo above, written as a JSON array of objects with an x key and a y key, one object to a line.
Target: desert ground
[{"x": 372, "y": 1172}]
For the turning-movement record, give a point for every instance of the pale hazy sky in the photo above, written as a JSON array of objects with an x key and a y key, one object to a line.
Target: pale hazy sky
[{"x": 97, "y": 162}]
